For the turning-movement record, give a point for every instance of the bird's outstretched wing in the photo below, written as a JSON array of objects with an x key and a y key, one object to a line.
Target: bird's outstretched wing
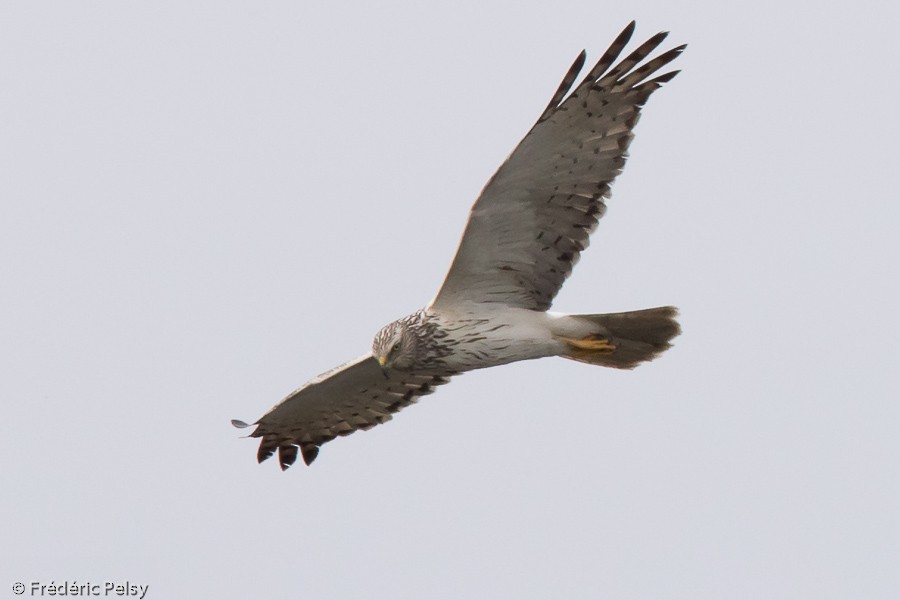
[
  {"x": 533, "y": 218},
  {"x": 354, "y": 396}
]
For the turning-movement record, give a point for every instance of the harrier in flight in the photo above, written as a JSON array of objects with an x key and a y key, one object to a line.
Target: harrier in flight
[{"x": 525, "y": 233}]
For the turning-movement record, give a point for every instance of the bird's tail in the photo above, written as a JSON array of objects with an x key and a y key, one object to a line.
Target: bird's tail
[{"x": 620, "y": 340}]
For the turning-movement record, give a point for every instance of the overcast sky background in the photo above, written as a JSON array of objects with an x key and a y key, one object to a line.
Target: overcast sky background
[{"x": 204, "y": 204}]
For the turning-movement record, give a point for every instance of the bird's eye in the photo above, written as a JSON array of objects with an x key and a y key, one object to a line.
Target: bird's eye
[{"x": 395, "y": 347}]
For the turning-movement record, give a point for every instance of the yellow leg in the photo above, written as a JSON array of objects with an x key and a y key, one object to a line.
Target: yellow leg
[{"x": 591, "y": 343}]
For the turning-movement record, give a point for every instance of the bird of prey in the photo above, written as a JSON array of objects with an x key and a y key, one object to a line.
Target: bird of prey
[{"x": 525, "y": 232}]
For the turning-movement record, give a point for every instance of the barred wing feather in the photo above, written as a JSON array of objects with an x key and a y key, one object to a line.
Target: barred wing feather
[
  {"x": 535, "y": 215},
  {"x": 355, "y": 396}
]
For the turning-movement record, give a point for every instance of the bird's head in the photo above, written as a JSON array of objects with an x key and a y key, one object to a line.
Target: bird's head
[{"x": 394, "y": 346}]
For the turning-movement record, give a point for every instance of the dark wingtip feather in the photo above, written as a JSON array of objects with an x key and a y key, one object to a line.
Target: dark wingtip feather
[
  {"x": 564, "y": 86},
  {"x": 657, "y": 39},
  {"x": 636, "y": 56},
  {"x": 310, "y": 452},
  {"x": 265, "y": 451},
  {"x": 611, "y": 54},
  {"x": 286, "y": 456},
  {"x": 674, "y": 52},
  {"x": 666, "y": 77},
  {"x": 645, "y": 89},
  {"x": 635, "y": 77},
  {"x": 239, "y": 424},
  {"x": 605, "y": 75}
]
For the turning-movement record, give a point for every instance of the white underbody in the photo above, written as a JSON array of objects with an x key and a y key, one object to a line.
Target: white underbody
[{"x": 495, "y": 334}]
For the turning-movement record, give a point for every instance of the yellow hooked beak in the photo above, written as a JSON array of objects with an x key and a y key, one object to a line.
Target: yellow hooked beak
[{"x": 382, "y": 361}]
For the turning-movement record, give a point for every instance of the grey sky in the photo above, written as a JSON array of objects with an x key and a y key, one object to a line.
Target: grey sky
[{"x": 203, "y": 205}]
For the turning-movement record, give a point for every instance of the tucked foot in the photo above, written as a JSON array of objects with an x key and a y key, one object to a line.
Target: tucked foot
[{"x": 592, "y": 343}]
